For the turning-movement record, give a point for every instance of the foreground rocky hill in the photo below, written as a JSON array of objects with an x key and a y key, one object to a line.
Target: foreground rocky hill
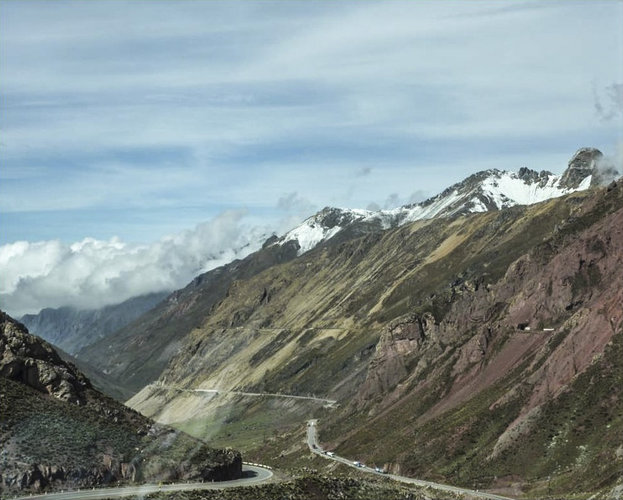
[
  {"x": 482, "y": 350},
  {"x": 56, "y": 431}
]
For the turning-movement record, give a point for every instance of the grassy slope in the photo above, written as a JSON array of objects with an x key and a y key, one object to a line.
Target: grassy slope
[
  {"x": 50, "y": 431},
  {"x": 245, "y": 423},
  {"x": 576, "y": 438}
]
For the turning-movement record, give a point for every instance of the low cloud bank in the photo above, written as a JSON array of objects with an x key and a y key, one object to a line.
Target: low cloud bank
[{"x": 94, "y": 273}]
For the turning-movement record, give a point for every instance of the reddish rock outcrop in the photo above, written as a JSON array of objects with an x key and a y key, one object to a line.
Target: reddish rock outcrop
[{"x": 552, "y": 315}]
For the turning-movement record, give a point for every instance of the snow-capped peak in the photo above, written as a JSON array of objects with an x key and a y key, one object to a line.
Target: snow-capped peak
[
  {"x": 323, "y": 226},
  {"x": 487, "y": 190},
  {"x": 506, "y": 189}
]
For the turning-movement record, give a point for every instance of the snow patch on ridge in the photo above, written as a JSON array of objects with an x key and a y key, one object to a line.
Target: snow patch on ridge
[
  {"x": 309, "y": 235},
  {"x": 477, "y": 205},
  {"x": 419, "y": 212},
  {"x": 508, "y": 190},
  {"x": 585, "y": 184},
  {"x": 323, "y": 226}
]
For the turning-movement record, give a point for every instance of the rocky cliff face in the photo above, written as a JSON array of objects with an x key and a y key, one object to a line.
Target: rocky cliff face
[
  {"x": 582, "y": 164},
  {"x": 568, "y": 285},
  {"x": 57, "y": 431},
  {"x": 29, "y": 360}
]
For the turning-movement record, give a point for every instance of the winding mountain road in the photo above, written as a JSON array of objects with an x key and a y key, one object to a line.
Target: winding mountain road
[
  {"x": 312, "y": 442},
  {"x": 251, "y": 475}
]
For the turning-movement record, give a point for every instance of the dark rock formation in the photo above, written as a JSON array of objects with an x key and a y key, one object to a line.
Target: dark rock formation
[
  {"x": 56, "y": 431},
  {"x": 34, "y": 362},
  {"x": 533, "y": 177},
  {"x": 582, "y": 164}
]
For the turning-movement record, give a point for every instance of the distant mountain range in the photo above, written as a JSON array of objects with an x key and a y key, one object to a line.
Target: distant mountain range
[
  {"x": 137, "y": 353},
  {"x": 72, "y": 329},
  {"x": 479, "y": 348}
]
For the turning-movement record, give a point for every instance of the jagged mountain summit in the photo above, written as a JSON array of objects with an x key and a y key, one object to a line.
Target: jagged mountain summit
[{"x": 481, "y": 192}]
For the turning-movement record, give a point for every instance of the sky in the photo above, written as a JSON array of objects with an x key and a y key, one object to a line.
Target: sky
[{"x": 144, "y": 141}]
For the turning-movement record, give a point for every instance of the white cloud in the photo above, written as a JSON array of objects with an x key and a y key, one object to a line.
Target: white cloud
[{"x": 94, "y": 273}]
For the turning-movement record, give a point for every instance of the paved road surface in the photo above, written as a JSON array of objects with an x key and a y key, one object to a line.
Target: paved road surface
[
  {"x": 330, "y": 402},
  {"x": 251, "y": 475},
  {"x": 270, "y": 395},
  {"x": 312, "y": 442}
]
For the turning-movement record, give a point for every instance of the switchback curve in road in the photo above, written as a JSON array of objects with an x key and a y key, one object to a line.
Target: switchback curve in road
[{"x": 251, "y": 475}]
